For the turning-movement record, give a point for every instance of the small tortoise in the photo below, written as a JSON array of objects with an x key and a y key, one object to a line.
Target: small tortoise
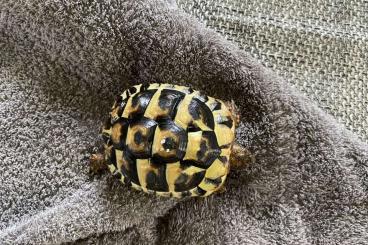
[{"x": 170, "y": 140}]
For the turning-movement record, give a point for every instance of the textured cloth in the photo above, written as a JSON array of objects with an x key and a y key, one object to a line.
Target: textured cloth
[
  {"x": 320, "y": 47},
  {"x": 63, "y": 62}
]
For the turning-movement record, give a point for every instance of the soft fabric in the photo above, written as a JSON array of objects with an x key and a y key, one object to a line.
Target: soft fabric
[
  {"x": 63, "y": 62},
  {"x": 320, "y": 47}
]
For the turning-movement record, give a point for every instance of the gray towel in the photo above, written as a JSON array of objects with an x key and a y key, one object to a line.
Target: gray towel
[{"x": 63, "y": 62}]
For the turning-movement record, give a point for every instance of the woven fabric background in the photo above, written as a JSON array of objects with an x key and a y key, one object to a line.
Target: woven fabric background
[{"x": 319, "y": 46}]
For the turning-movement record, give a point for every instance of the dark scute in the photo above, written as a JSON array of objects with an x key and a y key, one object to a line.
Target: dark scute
[
  {"x": 157, "y": 182},
  {"x": 141, "y": 101},
  {"x": 202, "y": 150},
  {"x": 225, "y": 146},
  {"x": 130, "y": 172},
  {"x": 215, "y": 182},
  {"x": 159, "y": 159},
  {"x": 199, "y": 191},
  {"x": 223, "y": 159},
  {"x": 112, "y": 157},
  {"x": 166, "y": 124},
  {"x": 140, "y": 138},
  {"x": 217, "y": 106},
  {"x": 144, "y": 87},
  {"x": 169, "y": 144},
  {"x": 169, "y": 100},
  {"x": 209, "y": 149},
  {"x": 228, "y": 122},
  {"x": 143, "y": 122},
  {"x": 132, "y": 90},
  {"x": 199, "y": 110},
  {"x": 193, "y": 128},
  {"x": 185, "y": 182},
  {"x": 123, "y": 133},
  {"x": 184, "y": 164}
]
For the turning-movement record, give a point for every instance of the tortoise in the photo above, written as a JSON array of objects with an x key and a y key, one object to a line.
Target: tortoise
[{"x": 170, "y": 140}]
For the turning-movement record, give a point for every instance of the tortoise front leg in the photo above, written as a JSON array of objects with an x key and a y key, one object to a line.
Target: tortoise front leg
[{"x": 240, "y": 157}]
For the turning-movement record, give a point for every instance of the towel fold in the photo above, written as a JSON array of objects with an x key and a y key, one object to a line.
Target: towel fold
[{"x": 63, "y": 62}]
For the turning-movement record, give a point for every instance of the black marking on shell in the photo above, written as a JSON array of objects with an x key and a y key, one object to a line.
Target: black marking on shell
[
  {"x": 223, "y": 159},
  {"x": 111, "y": 157},
  {"x": 199, "y": 110},
  {"x": 169, "y": 144},
  {"x": 225, "y": 146},
  {"x": 169, "y": 100},
  {"x": 141, "y": 101},
  {"x": 123, "y": 132},
  {"x": 228, "y": 121},
  {"x": 132, "y": 90},
  {"x": 185, "y": 182},
  {"x": 155, "y": 181},
  {"x": 209, "y": 149},
  {"x": 175, "y": 107},
  {"x": 192, "y": 128},
  {"x": 215, "y": 182},
  {"x": 199, "y": 191},
  {"x": 139, "y": 138},
  {"x": 168, "y": 125},
  {"x": 187, "y": 163},
  {"x": 217, "y": 106},
  {"x": 144, "y": 87},
  {"x": 129, "y": 169},
  {"x": 121, "y": 108}
]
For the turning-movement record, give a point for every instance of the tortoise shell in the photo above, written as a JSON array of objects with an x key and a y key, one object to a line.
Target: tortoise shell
[{"x": 169, "y": 140}]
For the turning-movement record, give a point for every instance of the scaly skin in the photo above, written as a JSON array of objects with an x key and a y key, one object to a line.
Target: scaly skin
[
  {"x": 240, "y": 157},
  {"x": 97, "y": 163}
]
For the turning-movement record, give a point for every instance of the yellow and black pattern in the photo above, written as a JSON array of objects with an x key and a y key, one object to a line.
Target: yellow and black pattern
[{"x": 169, "y": 140}]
